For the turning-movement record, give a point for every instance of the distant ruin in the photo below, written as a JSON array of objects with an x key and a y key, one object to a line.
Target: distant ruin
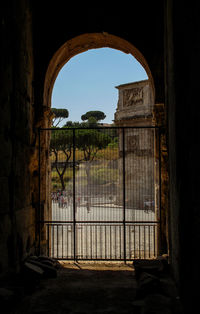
[
  {"x": 135, "y": 104},
  {"x": 135, "y": 109}
]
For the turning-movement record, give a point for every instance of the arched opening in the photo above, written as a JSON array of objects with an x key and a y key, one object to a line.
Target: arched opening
[
  {"x": 90, "y": 80},
  {"x": 64, "y": 54},
  {"x": 81, "y": 44}
]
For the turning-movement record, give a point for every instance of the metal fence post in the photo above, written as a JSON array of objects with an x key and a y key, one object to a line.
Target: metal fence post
[
  {"x": 39, "y": 192},
  {"x": 74, "y": 191},
  {"x": 124, "y": 192}
]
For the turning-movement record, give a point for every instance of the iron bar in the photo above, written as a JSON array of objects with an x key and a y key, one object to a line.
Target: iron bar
[
  {"x": 53, "y": 241},
  {"x": 146, "y": 222},
  {"x": 100, "y": 128},
  {"x": 57, "y": 240},
  {"x": 110, "y": 242},
  {"x": 105, "y": 242},
  {"x": 149, "y": 242},
  {"x": 91, "y": 254},
  {"x": 39, "y": 192},
  {"x": 160, "y": 191},
  {"x": 124, "y": 193},
  {"x": 139, "y": 243},
  {"x": 134, "y": 241},
  {"x": 48, "y": 239},
  {"x": 62, "y": 240},
  {"x": 74, "y": 193},
  {"x": 96, "y": 239}
]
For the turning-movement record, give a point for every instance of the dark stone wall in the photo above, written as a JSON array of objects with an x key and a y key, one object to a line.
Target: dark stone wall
[
  {"x": 31, "y": 32},
  {"x": 142, "y": 25},
  {"x": 17, "y": 213},
  {"x": 182, "y": 99}
]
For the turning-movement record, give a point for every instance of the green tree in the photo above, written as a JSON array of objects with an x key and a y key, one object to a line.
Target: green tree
[
  {"x": 87, "y": 140},
  {"x": 97, "y": 115},
  {"x": 76, "y": 124},
  {"x": 59, "y": 115},
  {"x": 92, "y": 122},
  {"x": 61, "y": 141}
]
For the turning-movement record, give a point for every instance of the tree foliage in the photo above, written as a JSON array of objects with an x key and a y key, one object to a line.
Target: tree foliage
[
  {"x": 98, "y": 115},
  {"x": 61, "y": 141},
  {"x": 59, "y": 115},
  {"x": 87, "y": 140}
]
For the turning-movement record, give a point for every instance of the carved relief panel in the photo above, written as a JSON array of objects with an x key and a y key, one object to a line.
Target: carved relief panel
[{"x": 132, "y": 97}]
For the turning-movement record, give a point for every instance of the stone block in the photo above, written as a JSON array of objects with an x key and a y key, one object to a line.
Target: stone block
[
  {"x": 32, "y": 272},
  {"x": 153, "y": 267},
  {"x": 49, "y": 261},
  {"x": 48, "y": 271}
]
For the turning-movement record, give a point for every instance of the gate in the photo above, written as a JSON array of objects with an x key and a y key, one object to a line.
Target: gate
[{"x": 105, "y": 193}]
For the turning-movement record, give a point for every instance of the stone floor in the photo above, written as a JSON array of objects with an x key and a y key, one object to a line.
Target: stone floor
[{"x": 85, "y": 288}]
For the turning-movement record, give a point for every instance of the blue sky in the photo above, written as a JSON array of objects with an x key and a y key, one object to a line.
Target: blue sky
[{"x": 87, "y": 82}]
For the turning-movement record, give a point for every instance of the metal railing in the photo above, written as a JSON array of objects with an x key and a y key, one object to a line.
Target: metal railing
[
  {"x": 105, "y": 193},
  {"x": 102, "y": 241}
]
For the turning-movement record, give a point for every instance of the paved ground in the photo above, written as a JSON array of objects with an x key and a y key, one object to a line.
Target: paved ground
[
  {"x": 102, "y": 240},
  {"x": 83, "y": 289},
  {"x": 96, "y": 288}
]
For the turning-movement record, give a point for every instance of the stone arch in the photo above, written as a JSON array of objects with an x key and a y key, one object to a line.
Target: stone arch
[
  {"x": 68, "y": 50},
  {"x": 81, "y": 44}
]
